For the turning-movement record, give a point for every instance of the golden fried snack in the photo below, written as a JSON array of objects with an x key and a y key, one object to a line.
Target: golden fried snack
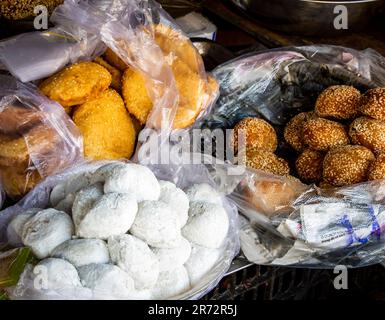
[
  {"x": 107, "y": 128},
  {"x": 346, "y": 165},
  {"x": 16, "y": 150},
  {"x": 114, "y": 60},
  {"x": 16, "y": 119},
  {"x": 293, "y": 130},
  {"x": 377, "y": 169},
  {"x": 373, "y": 103},
  {"x": 266, "y": 161},
  {"x": 116, "y": 74},
  {"x": 309, "y": 166},
  {"x": 194, "y": 94},
  {"x": 176, "y": 44},
  {"x": 322, "y": 134},
  {"x": 338, "y": 102},
  {"x": 17, "y": 181},
  {"x": 273, "y": 196},
  {"x": 368, "y": 132},
  {"x": 135, "y": 95},
  {"x": 77, "y": 83},
  {"x": 257, "y": 133}
]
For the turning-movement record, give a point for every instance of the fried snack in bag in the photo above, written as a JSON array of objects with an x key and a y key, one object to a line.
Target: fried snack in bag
[{"x": 37, "y": 138}]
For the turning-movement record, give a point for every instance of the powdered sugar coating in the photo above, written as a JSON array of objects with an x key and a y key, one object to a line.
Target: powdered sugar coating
[
  {"x": 203, "y": 192},
  {"x": 207, "y": 225},
  {"x": 110, "y": 215},
  {"x": 106, "y": 281},
  {"x": 171, "y": 283},
  {"x": 201, "y": 261},
  {"x": 157, "y": 225},
  {"x": 15, "y": 227},
  {"x": 80, "y": 252},
  {"x": 133, "y": 179},
  {"x": 176, "y": 199},
  {"x": 136, "y": 258},
  {"x": 46, "y": 230},
  {"x": 174, "y": 257}
]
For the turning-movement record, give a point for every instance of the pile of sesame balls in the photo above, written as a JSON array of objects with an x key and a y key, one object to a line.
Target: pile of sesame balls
[{"x": 341, "y": 142}]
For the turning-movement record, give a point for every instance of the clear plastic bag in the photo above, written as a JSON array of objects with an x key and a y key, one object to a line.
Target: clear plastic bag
[
  {"x": 291, "y": 223},
  {"x": 36, "y": 55},
  {"x": 37, "y": 137},
  {"x": 40, "y": 198},
  {"x": 146, "y": 39}
]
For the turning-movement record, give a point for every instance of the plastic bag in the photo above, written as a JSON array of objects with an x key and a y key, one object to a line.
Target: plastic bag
[
  {"x": 37, "y": 137},
  {"x": 291, "y": 223},
  {"x": 146, "y": 39},
  {"x": 182, "y": 176},
  {"x": 36, "y": 55}
]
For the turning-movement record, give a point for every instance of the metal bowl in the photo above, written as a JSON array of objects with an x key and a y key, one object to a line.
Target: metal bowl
[{"x": 311, "y": 17}]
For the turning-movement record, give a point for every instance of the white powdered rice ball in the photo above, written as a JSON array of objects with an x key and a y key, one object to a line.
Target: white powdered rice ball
[
  {"x": 171, "y": 283},
  {"x": 204, "y": 193},
  {"x": 15, "y": 227},
  {"x": 175, "y": 257},
  {"x": 56, "y": 274},
  {"x": 136, "y": 258},
  {"x": 207, "y": 225},
  {"x": 157, "y": 225},
  {"x": 176, "y": 199},
  {"x": 46, "y": 230},
  {"x": 133, "y": 179},
  {"x": 81, "y": 252},
  {"x": 112, "y": 214},
  {"x": 84, "y": 200},
  {"x": 107, "y": 281},
  {"x": 201, "y": 261}
]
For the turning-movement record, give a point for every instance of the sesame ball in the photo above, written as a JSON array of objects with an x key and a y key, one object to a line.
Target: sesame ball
[
  {"x": 258, "y": 134},
  {"x": 293, "y": 130},
  {"x": 368, "y": 132},
  {"x": 338, "y": 102},
  {"x": 346, "y": 165},
  {"x": 309, "y": 166},
  {"x": 267, "y": 161},
  {"x": 325, "y": 185},
  {"x": 373, "y": 103},
  {"x": 377, "y": 169},
  {"x": 322, "y": 134}
]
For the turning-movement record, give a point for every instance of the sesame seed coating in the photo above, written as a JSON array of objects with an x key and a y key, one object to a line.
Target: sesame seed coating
[
  {"x": 22, "y": 9},
  {"x": 377, "y": 169},
  {"x": 322, "y": 134},
  {"x": 293, "y": 130},
  {"x": 368, "y": 132},
  {"x": 267, "y": 161},
  {"x": 338, "y": 102},
  {"x": 345, "y": 165},
  {"x": 259, "y": 134},
  {"x": 309, "y": 166},
  {"x": 373, "y": 103}
]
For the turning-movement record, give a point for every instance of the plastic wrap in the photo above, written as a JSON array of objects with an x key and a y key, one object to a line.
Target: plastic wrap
[
  {"x": 37, "y": 137},
  {"x": 40, "y": 198},
  {"x": 291, "y": 223},
  {"x": 36, "y": 55},
  {"x": 144, "y": 37}
]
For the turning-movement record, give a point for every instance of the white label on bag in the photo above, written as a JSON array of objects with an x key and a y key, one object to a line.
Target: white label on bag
[{"x": 337, "y": 225}]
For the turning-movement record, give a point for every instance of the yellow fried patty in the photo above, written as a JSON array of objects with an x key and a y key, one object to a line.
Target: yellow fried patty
[
  {"x": 106, "y": 126},
  {"x": 77, "y": 83}
]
